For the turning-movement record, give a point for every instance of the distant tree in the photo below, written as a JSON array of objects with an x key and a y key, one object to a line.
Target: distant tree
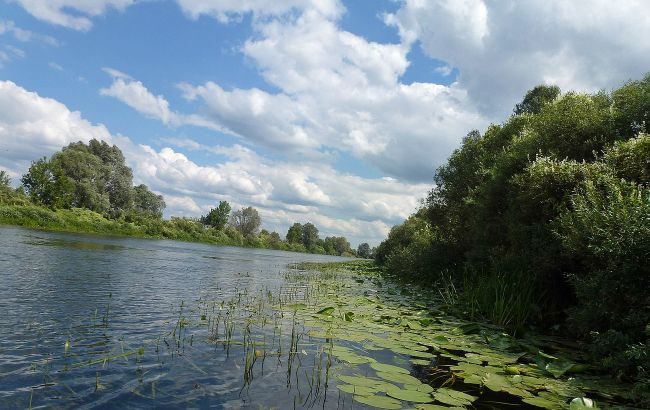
[
  {"x": 5, "y": 180},
  {"x": 217, "y": 217},
  {"x": 146, "y": 201},
  {"x": 363, "y": 250},
  {"x": 274, "y": 239},
  {"x": 309, "y": 235},
  {"x": 247, "y": 221},
  {"x": 47, "y": 184},
  {"x": 118, "y": 176},
  {"x": 294, "y": 234},
  {"x": 536, "y": 98}
]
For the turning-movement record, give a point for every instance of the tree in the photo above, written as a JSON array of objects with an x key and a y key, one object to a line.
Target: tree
[
  {"x": 294, "y": 234},
  {"x": 5, "y": 180},
  {"x": 363, "y": 250},
  {"x": 247, "y": 221},
  {"x": 309, "y": 235},
  {"x": 536, "y": 98},
  {"x": 145, "y": 201},
  {"x": 217, "y": 217},
  {"x": 118, "y": 176},
  {"x": 47, "y": 184}
]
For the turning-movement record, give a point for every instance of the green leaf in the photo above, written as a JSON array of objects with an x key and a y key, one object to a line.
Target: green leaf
[
  {"x": 413, "y": 396},
  {"x": 326, "y": 311},
  {"x": 398, "y": 378},
  {"x": 360, "y": 390},
  {"x": 453, "y": 397},
  {"x": 380, "y": 402}
]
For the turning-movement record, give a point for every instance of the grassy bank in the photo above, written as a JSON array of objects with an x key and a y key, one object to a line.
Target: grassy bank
[{"x": 79, "y": 220}]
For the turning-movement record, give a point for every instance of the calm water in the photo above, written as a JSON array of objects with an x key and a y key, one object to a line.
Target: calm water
[{"x": 110, "y": 297}]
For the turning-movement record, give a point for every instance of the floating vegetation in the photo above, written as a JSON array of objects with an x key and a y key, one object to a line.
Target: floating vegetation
[{"x": 336, "y": 335}]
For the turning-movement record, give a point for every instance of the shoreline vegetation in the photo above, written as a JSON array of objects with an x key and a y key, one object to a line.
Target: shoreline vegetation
[
  {"x": 543, "y": 222},
  {"x": 87, "y": 188}
]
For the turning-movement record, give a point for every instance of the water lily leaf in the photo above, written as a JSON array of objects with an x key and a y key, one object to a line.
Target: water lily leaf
[
  {"x": 380, "y": 402},
  {"x": 359, "y": 381},
  {"x": 413, "y": 396},
  {"x": 413, "y": 325},
  {"x": 414, "y": 353},
  {"x": 453, "y": 397},
  {"x": 436, "y": 407},
  {"x": 499, "y": 383},
  {"x": 549, "y": 401},
  {"x": 398, "y": 378},
  {"x": 558, "y": 367},
  {"x": 326, "y": 311},
  {"x": 422, "y": 388},
  {"x": 387, "y": 368},
  {"x": 348, "y": 316},
  {"x": 421, "y": 362},
  {"x": 360, "y": 390},
  {"x": 353, "y": 358}
]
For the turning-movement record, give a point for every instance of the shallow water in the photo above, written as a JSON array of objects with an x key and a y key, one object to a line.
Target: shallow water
[
  {"x": 97, "y": 322},
  {"x": 109, "y": 296}
]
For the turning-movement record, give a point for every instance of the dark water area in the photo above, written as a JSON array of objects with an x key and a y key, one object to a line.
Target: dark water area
[{"x": 86, "y": 322}]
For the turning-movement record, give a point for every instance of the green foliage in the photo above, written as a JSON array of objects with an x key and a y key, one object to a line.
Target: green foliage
[
  {"x": 246, "y": 220},
  {"x": 545, "y": 218},
  {"x": 46, "y": 183},
  {"x": 363, "y": 251},
  {"x": 309, "y": 236},
  {"x": 218, "y": 217},
  {"x": 146, "y": 202},
  {"x": 608, "y": 234},
  {"x": 537, "y": 98},
  {"x": 294, "y": 234}
]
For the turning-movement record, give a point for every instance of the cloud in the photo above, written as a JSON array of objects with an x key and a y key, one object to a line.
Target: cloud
[
  {"x": 32, "y": 126},
  {"x": 504, "y": 48},
  {"x": 8, "y": 26},
  {"x": 338, "y": 92},
  {"x": 134, "y": 94},
  {"x": 228, "y": 10},
  {"x": 60, "y": 12}
]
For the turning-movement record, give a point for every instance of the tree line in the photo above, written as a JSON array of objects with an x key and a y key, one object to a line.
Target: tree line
[
  {"x": 95, "y": 177},
  {"x": 544, "y": 220}
]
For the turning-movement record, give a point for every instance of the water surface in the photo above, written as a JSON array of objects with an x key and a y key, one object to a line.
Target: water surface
[{"x": 108, "y": 296}]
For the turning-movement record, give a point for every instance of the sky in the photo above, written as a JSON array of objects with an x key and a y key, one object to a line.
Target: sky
[{"x": 331, "y": 112}]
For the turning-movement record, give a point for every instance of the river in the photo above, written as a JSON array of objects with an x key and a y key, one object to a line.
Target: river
[{"x": 57, "y": 288}]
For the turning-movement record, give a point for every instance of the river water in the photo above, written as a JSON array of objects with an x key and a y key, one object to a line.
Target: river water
[{"x": 75, "y": 310}]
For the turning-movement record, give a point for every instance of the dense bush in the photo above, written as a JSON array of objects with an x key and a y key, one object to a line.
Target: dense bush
[{"x": 553, "y": 204}]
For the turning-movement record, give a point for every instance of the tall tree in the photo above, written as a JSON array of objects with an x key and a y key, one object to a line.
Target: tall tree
[
  {"x": 363, "y": 250},
  {"x": 217, "y": 217},
  {"x": 5, "y": 180},
  {"x": 247, "y": 221},
  {"x": 309, "y": 235},
  {"x": 46, "y": 183},
  {"x": 294, "y": 234},
  {"x": 536, "y": 98},
  {"x": 146, "y": 201}
]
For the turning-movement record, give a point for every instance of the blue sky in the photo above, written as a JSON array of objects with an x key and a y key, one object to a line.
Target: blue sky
[{"x": 334, "y": 112}]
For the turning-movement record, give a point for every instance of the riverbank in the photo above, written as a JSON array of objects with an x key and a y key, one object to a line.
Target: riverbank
[{"x": 79, "y": 220}]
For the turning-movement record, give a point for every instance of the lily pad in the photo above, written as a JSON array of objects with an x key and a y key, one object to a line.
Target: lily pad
[
  {"x": 453, "y": 397},
  {"x": 413, "y": 396},
  {"x": 360, "y": 390},
  {"x": 399, "y": 378},
  {"x": 380, "y": 402}
]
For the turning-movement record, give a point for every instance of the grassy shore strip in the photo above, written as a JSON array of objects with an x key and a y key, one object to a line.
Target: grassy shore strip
[{"x": 79, "y": 220}]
